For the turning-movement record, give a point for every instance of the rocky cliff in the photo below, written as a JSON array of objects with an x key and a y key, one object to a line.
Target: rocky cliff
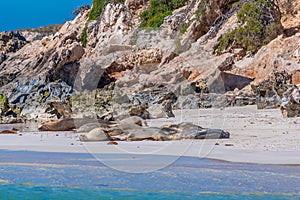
[{"x": 205, "y": 53}]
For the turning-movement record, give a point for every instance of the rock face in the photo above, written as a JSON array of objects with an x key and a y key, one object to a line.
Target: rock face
[
  {"x": 52, "y": 58},
  {"x": 290, "y": 106},
  {"x": 36, "y": 99},
  {"x": 125, "y": 71},
  {"x": 11, "y": 41},
  {"x": 269, "y": 92},
  {"x": 290, "y": 13}
]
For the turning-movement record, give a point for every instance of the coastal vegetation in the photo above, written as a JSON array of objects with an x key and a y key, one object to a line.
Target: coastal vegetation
[
  {"x": 47, "y": 30},
  {"x": 159, "y": 9},
  {"x": 3, "y": 104},
  {"x": 257, "y": 27},
  {"x": 97, "y": 7}
]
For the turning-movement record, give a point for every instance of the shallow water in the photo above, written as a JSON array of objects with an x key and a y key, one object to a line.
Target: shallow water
[{"x": 35, "y": 175}]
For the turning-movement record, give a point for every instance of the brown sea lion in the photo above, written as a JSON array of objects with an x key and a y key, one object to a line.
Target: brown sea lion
[{"x": 70, "y": 124}]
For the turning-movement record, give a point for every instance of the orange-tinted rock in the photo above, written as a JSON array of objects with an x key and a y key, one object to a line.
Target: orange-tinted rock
[
  {"x": 194, "y": 75},
  {"x": 296, "y": 78}
]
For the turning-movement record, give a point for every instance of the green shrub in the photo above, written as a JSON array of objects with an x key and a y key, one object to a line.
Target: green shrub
[
  {"x": 159, "y": 9},
  {"x": 3, "y": 103},
  {"x": 83, "y": 36},
  {"x": 202, "y": 8},
  {"x": 253, "y": 31}
]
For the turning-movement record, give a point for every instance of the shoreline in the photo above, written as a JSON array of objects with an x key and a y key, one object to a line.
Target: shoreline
[
  {"x": 189, "y": 148},
  {"x": 257, "y": 136}
]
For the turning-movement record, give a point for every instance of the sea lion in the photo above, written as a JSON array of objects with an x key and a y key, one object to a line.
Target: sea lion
[
  {"x": 96, "y": 134},
  {"x": 211, "y": 134},
  {"x": 70, "y": 124},
  {"x": 151, "y": 133},
  {"x": 87, "y": 127},
  {"x": 132, "y": 123},
  {"x": 186, "y": 130}
]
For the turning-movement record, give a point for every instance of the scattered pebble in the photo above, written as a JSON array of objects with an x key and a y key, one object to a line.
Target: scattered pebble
[
  {"x": 217, "y": 144},
  {"x": 112, "y": 143},
  {"x": 72, "y": 143},
  {"x": 228, "y": 145}
]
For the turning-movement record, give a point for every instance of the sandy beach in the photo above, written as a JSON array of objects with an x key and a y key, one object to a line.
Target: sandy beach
[{"x": 257, "y": 136}]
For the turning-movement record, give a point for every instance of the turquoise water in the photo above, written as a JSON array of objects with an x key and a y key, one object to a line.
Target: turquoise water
[
  {"x": 41, "y": 192},
  {"x": 33, "y": 175}
]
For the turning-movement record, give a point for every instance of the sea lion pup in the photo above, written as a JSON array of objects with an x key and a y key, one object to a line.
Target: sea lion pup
[{"x": 96, "y": 134}]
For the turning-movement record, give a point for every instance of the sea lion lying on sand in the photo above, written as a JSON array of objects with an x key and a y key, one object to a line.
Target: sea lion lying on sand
[
  {"x": 96, "y": 134},
  {"x": 133, "y": 129},
  {"x": 70, "y": 124}
]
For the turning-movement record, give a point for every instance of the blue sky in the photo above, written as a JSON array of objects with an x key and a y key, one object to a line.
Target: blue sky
[{"x": 15, "y": 14}]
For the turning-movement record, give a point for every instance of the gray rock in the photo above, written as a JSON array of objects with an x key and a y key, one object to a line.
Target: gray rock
[
  {"x": 11, "y": 41},
  {"x": 290, "y": 106},
  {"x": 187, "y": 102},
  {"x": 157, "y": 111},
  {"x": 270, "y": 92},
  {"x": 36, "y": 99}
]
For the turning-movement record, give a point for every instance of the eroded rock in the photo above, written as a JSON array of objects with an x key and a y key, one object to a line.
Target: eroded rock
[
  {"x": 269, "y": 92},
  {"x": 290, "y": 106}
]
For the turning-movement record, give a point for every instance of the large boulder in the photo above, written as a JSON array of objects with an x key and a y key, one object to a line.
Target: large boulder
[
  {"x": 36, "y": 99},
  {"x": 11, "y": 42}
]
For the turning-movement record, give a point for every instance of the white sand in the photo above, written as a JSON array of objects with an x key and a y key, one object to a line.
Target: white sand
[{"x": 257, "y": 136}]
